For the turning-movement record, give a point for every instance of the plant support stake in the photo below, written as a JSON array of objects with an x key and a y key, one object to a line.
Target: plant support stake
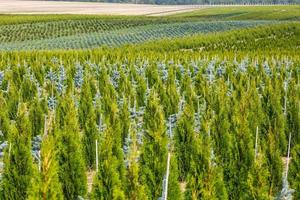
[
  {"x": 167, "y": 177},
  {"x": 96, "y": 155},
  {"x": 256, "y": 142},
  {"x": 288, "y": 158}
]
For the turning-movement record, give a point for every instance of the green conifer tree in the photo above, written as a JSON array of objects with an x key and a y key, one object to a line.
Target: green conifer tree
[
  {"x": 47, "y": 185},
  {"x": 185, "y": 141},
  {"x": 171, "y": 92},
  {"x": 107, "y": 183},
  {"x": 154, "y": 150},
  {"x": 134, "y": 189},
  {"x": 36, "y": 115},
  {"x": 205, "y": 179},
  {"x": 125, "y": 116},
  {"x": 18, "y": 168},
  {"x": 294, "y": 171},
  {"x": 4, "y": 117},
  {"x": 258, "y": 187},
  {"x": 71, "y": 164},
  {"x": 275, "y": 166},
  {"x": 87, "y": 118}
]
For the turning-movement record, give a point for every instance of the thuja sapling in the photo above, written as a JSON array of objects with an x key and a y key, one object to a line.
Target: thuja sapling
[
  {"x": 35, "y": 149},
  {"x": 171, "y": 123}
]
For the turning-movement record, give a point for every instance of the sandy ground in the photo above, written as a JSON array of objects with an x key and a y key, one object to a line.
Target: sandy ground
[{"x": 55, "y": 7}]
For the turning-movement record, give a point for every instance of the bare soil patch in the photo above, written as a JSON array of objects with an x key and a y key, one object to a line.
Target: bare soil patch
[{"x": 58, "y": 7}]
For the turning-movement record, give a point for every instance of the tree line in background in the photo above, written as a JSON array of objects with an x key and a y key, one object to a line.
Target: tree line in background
[{"x": 182, "y": 2}]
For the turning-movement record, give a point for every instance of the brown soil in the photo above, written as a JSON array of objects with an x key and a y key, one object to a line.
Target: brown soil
[{"x": 55, "y": 7}]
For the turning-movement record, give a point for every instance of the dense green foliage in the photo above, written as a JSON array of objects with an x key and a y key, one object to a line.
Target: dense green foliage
[
  {"x": 276, "y": 12},
  {"x": 245, "y": 13},
  {"x": 282, "y": 37},
  {"x": 221, "y": 102},
  {"x": 200, "y": 117},
  {"x": 18, "y": 168},
  {"x": 20, "y": 32},
  {"x": 53, "y": 36}
]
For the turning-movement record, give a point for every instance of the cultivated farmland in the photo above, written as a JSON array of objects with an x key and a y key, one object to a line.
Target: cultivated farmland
[
  {"x": 52, "y": 7},
  {"x": 197, "y": 105}
]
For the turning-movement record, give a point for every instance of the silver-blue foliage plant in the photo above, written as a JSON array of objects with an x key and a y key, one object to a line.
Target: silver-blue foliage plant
[{"x": 78, "y": 78}]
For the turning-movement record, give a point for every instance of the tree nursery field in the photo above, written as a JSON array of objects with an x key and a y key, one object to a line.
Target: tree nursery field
[{"x": 200, "y": 105}]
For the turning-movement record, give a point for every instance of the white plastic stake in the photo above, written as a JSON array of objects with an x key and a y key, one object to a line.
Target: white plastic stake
[
  {"x": 170, "y": 127},
  {"x": 45, "y": 126},
  {"x": 147, "y": 84},
  {"x": 285, "y": 102},
  {"x": 9, "y": 149},
  {"x": 39, "y": 161},
  {"x": 96, "y": 155},
  {"x": 288, "y": 158},
  {"x": 100, "y": 123},
  {"x": 134, "y": 106},
  {"x": 198, "y": 108},
  {"x": 256, "y": 142},
  {"x": 167, "y": 177}
]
